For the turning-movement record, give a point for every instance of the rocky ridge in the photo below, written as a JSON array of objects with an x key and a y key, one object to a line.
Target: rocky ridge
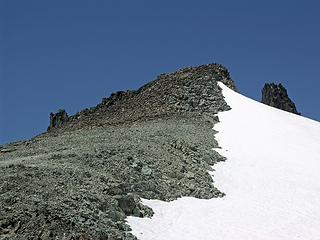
[
  {"x": 88, "y": 172},
  {"x": 192, "y": 89}
]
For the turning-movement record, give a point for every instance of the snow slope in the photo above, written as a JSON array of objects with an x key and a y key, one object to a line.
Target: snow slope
[{"x": 271, "y": 179}]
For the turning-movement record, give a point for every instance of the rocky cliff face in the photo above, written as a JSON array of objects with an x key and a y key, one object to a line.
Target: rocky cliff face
[
  {"x": 88, "y": 172},
  {"x": 276, "y": 96}
]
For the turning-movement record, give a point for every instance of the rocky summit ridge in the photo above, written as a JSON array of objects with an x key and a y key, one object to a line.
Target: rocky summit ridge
[
  {"x": 82, "y": 178},
  {"x": 192, "y": 89}
]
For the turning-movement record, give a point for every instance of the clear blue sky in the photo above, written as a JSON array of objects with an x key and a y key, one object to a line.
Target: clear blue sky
[{"x": 71, "y": 54}]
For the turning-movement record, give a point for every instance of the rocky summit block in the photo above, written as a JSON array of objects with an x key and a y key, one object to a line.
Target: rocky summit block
[{"x": 275, "y": 95}]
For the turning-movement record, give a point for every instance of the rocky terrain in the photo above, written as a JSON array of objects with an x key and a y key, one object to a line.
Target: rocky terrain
[
  {"x": 188, "y": 90},
  {"x": 275, "y": 95},
  {"x": 83, "y": 177}
]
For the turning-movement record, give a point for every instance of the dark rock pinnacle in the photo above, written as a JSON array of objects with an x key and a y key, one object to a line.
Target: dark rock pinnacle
[
  {"x": 58, "y": 119},
  {"x": 276, "y": 96}
]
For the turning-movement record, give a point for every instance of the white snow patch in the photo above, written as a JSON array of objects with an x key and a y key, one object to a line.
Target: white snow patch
[{"x": 271, "y": 179}]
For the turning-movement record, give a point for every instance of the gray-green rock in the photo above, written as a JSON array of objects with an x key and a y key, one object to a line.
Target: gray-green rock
[{"x": 83, "y": 178}]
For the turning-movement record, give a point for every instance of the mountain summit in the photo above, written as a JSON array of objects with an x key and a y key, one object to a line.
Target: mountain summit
[
  {"x": 192, "y": 89},
  {"x": 88, "y": 172},
  {"x": 183, "y": 157}
]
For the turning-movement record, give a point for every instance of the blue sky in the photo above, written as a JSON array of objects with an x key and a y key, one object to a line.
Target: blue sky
[{"x": 71, "y": 54}]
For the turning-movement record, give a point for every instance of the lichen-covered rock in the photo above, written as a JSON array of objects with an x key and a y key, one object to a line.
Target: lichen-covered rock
[{"x": 276, "y": 96}]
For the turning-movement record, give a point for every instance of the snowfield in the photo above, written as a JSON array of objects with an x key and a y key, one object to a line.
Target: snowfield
[{"x": 271, "y": 179}]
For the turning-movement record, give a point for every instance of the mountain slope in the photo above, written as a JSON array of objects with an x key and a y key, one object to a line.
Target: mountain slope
[
  {"x": 83, "y": 177},
  {"x": 271, "y": 180}
]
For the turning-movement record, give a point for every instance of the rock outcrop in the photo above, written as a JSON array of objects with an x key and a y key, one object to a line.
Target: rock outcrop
[
  {"x": 276, "y": 96},
  {"x": 192, "y": 89},
  {"x": 58, "y": 119}
]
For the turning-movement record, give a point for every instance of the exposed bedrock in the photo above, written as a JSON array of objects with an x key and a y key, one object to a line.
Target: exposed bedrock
[
  {"x": 275, "y": 95},
  {"x": 192, "y": 89}
]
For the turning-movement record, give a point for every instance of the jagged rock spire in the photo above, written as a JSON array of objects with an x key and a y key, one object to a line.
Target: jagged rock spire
[
  {"x": 58, "y": 119},
  {"x": 275, "y": 95}
]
